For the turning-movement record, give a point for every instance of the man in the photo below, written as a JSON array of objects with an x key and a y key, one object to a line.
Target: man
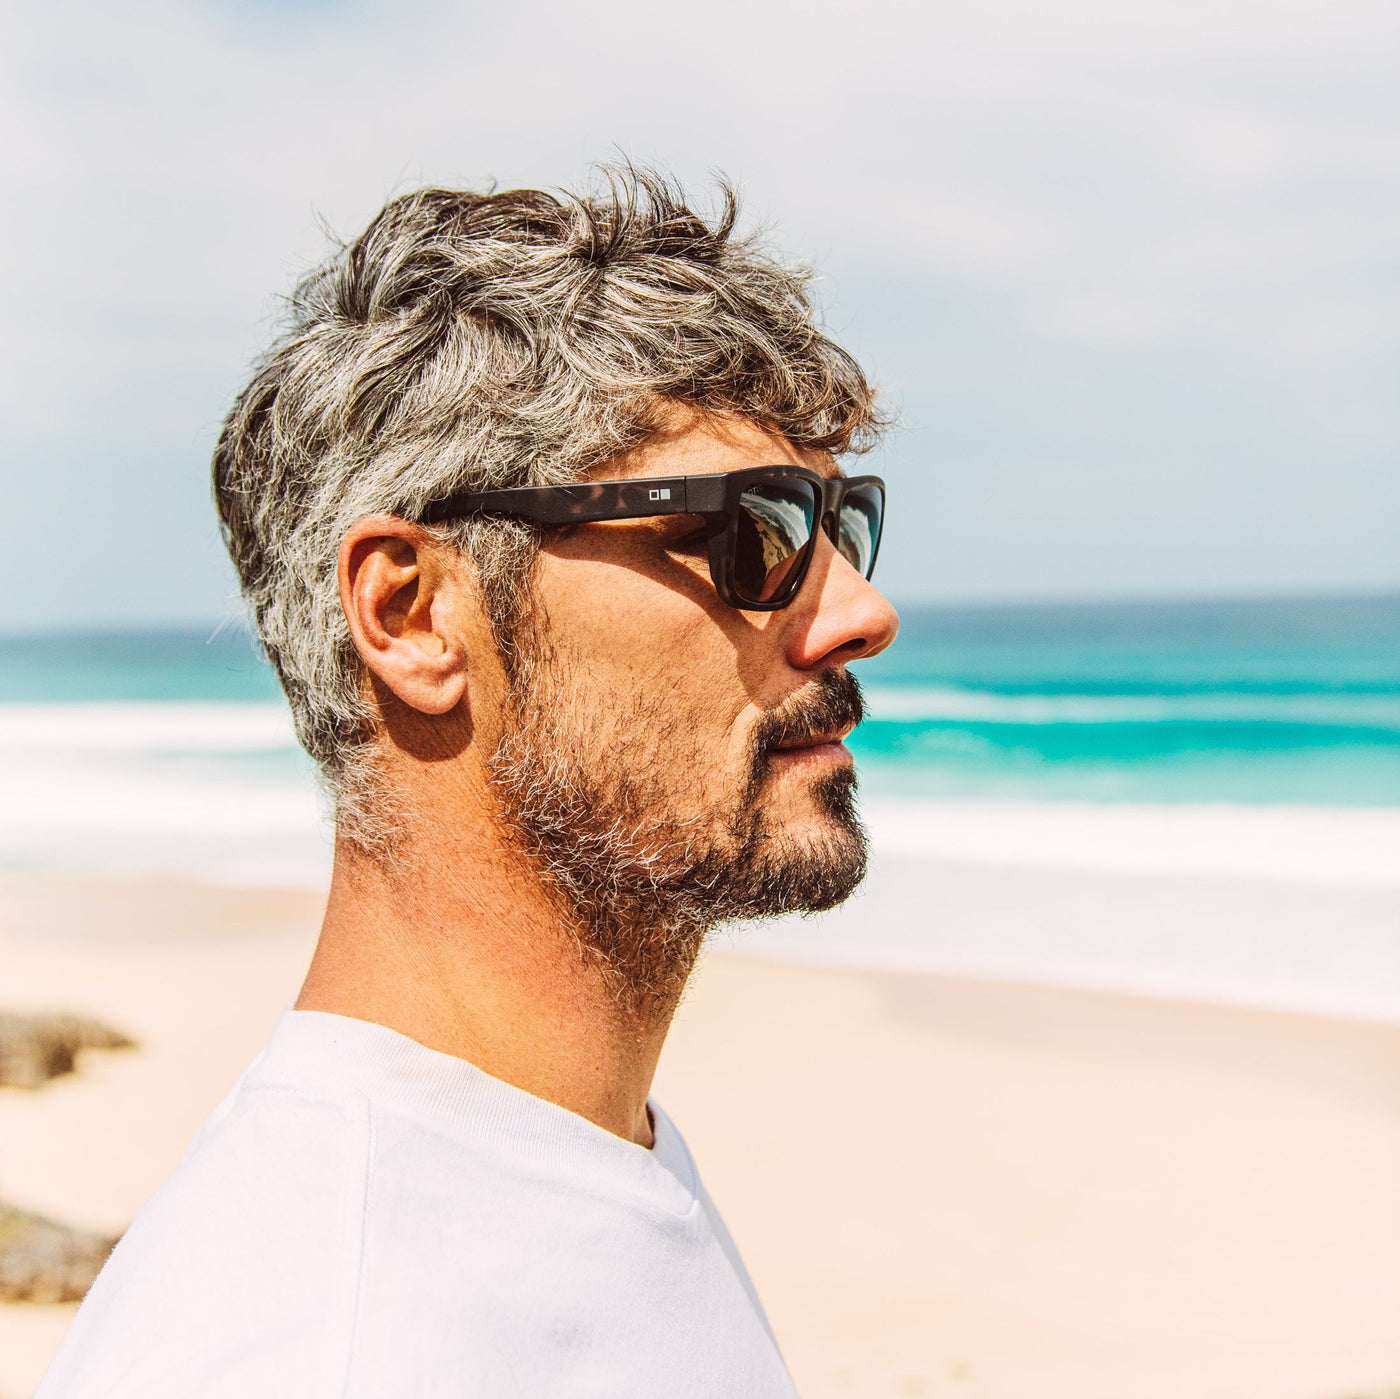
[{"x": 536, "y": 508}]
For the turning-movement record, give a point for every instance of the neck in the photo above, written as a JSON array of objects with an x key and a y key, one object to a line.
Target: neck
[{"x": 464, "y": 950}]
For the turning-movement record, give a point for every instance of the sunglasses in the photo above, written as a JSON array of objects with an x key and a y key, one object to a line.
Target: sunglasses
[{"x": 762, "y": 523}]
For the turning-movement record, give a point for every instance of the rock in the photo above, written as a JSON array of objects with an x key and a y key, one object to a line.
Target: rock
[
  {"x": 41, "y": 1261},
  {"x": 36, "y": 1048}
]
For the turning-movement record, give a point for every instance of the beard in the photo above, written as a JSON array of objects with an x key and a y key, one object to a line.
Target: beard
[{"x": 621, "y": 813}]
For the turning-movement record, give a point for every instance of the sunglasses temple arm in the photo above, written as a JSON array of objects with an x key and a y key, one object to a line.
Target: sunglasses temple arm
[{"x": 573, "y": 505}]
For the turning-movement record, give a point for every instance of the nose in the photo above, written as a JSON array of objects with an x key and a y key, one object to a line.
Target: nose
[{"x": 837, "y": 615}]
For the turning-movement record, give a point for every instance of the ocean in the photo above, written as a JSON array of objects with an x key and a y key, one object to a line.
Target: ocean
[
  {"x": 1258, "y": 701},
  {"x": 1193, "y": 799}
]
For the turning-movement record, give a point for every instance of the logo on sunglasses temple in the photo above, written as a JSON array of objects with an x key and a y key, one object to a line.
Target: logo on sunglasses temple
[{"x": 663, "y": 494}]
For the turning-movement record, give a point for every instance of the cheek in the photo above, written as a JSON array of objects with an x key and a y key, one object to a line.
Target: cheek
[
  {"x": 618, "y": 624},
  {"x": 710, "y": 716},
  {"x": 677, "y": 709},
  {"x": 665, "y": 671}
]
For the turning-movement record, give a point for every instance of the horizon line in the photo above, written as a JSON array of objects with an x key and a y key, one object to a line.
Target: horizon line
[{"x": 74, "y": 627}]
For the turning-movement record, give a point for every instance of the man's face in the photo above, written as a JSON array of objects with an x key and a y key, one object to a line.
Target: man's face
[{"x": 676, "y": 762}]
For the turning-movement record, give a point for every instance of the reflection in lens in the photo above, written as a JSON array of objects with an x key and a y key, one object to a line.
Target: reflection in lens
[
  {"x": 859, "y": 528},
  {"x": 775, "y": 524}
]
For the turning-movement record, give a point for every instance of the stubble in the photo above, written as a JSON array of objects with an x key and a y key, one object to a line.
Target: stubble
[{"x": 621, "y": 815}]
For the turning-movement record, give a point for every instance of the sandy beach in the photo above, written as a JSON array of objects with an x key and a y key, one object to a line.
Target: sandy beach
[{"x": 943, "y": 1186}]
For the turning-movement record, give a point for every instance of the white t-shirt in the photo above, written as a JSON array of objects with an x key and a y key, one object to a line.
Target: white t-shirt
[{"x": 364, "y": 1217}]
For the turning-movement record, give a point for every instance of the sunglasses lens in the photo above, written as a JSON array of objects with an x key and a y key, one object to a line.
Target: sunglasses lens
[
  {"x": 858, "y": 531},
  {"x": 776, "y": 519}
]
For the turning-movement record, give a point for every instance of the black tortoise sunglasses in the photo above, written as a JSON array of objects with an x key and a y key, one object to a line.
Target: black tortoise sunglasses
[{"x": 762, "y": 522}]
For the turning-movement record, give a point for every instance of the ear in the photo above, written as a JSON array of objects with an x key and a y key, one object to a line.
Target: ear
[{"x": 400, "y": 587}]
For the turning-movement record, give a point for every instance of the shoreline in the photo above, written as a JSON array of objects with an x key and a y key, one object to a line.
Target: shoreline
[
  {"x": 943, "y": 1186},
  {"x": 1270, "y": 907},
  {"x": 1244, "y": 943}
]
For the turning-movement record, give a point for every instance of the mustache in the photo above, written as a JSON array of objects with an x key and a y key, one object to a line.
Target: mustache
[{"x": 833, "y": 701}]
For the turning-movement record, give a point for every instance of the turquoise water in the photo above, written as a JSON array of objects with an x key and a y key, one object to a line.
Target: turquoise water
[
  {"x": 1259, "y": 701},
  {"x": 1267, "y": 701},
  {"x": 176, "y": 663}
]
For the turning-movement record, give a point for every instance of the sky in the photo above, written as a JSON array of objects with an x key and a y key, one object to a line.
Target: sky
[{"x": 1130, "y": 273}]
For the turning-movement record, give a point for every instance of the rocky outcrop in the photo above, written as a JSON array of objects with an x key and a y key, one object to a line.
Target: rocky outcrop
[
  {"x": 36, "y": 1048},
  {"x": 41, "y": 1261}
]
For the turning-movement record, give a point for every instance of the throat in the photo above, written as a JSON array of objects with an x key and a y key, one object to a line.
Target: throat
[{"x": 489, "y": 972}]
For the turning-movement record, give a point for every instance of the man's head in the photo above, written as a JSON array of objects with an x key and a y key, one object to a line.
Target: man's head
[{"x": 664, "y": 760}]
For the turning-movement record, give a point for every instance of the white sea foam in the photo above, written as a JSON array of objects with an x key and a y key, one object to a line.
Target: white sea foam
[
  {"x": 156, "y": 781},
  {"x": 1337, "y": 847},
  {"x": 177, "y": 789},
  {"x": 937, "y": 703},
  {"x": 123, "y": 729},
  {"x": 1296, "y": 907}
]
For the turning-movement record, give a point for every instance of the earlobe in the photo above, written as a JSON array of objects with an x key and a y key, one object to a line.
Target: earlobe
[{"x": 397, "y": 589}]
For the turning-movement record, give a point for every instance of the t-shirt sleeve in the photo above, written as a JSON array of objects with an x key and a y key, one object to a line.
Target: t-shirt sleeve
[{"x": 240, "y": 1277}]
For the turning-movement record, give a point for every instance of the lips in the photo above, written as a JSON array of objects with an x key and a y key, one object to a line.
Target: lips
[
  {"x": 814, "y": 721},
  {"x": 816, "y": 740}
]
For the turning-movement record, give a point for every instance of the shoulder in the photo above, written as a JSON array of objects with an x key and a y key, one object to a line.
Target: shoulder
[{"x": 240, "y": 1275}]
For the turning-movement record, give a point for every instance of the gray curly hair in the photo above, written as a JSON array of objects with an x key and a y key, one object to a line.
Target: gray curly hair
[{"x": 470, "y": 341}]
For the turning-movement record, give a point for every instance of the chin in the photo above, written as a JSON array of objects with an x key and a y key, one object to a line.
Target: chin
[
  {"x": 821, "y": 804},
  {"x": 816, "y": 851},
  {"x": 813, "y": 830}
]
